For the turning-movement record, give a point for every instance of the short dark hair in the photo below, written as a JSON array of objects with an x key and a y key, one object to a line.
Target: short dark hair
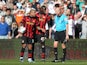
[
  {"x": 8, "y": 9},
  {"x": 43, "y": 7},
  {"x": 57, "y": 5}
]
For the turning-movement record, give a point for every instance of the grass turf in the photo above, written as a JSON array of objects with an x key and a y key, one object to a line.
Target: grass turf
[{"x": 38, "y": 62}]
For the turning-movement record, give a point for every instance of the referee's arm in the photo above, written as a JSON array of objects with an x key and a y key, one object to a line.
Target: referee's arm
[{"x": 67, "y": 28}]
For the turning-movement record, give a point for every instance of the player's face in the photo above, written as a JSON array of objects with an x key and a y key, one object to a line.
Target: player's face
[{"x": 33, "y": 13}]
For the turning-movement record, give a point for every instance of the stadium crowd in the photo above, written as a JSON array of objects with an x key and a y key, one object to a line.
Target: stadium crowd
[{"x": 13, "y": 11}]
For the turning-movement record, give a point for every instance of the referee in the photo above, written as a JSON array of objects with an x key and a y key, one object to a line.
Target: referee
[{"x": 61, "y": 31}]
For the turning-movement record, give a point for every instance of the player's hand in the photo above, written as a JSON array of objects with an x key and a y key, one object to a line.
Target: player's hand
[
  {"x": 19, "y": 35},
  {"x": 9, "y": 37},
  {"x": 38, "y": 28},
  {"x": 43, "y": 30}
]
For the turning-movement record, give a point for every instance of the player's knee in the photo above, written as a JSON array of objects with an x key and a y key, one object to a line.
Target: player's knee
[
  {"x": 63, "y": 46},
  {"x": 55, "y": 44},
  {"x": 24, "y": 45}
]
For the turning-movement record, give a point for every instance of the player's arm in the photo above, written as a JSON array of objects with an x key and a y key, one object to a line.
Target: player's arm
[
  {"x": 21, "y": 28},
  {"x": 19, "y": 35},
  {"x": 42, "y": 29}
]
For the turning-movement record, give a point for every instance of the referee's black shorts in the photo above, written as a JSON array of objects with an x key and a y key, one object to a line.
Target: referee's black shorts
[{"x": 60, "y": 36}]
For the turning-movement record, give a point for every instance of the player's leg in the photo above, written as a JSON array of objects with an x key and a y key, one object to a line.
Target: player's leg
[
  {"x": 42, "y": 42},
  {"x": 33, "y": 46},
  {"x": 33, "y": 51},
  {"x": 29, "y": 50},
  {"x": 23, "y": 48},
  {"x": 43, "y": 47}
]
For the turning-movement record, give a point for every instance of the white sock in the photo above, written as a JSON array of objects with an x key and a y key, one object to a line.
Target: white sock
[{"x": 21, "y": 57}]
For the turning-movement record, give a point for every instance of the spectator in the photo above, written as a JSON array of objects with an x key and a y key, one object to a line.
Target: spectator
[
  {"x": 86, "y": 10},
  {"x": 28, "y": 8},
  {"x": 77, "y": 21},
  {"x": 2, "y": 3},
  {"x": 19, "y": 4},
  {"x": 15, "y": 10},
  {"x": 14, "y": 30},
  {"x": 30, "y": 0},
  {"x": 14, "y": 2},
  {"x": 10, "y": 4},
  {"x": 34, "y": 4},
  {"x": 22, "y": 1},
  {"x": 41, "y": 1},
  {"x": 71, "y": 25},
  {"x": 3, "y": 11},
  {"x": 83, "y": 10},
  {"x": 65, "y": 5},
  {"x": 84, "y": 27},
  {"x": 9, "y": 18},
  {"x": 4, "y": 29},
  {"x": 74, "y": 9},
  {"x": 51, "y": 7},
  {"x": 69, "y": 4},
  {"x": 19, "y": 16},
  {"x": 38, "y": 7},
  {"x": 50, "y": 24},
  {"x": 5, "y": 1},
  {"x": 45, "y": 3},
  {"x": 25, "y": 4},
  {"x": 80, "y": 3}
]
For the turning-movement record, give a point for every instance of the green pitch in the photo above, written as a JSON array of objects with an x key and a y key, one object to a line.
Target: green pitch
[{"x": 68, "y": 62}]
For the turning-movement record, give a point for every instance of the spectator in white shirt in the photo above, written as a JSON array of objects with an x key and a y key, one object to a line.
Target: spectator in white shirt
[{"x": 84, "y": 27}]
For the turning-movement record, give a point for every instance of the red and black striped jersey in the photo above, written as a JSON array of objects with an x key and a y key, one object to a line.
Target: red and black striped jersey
[
  {"x": 30, "y": 24},
  {"x": 43, "y": 19}
]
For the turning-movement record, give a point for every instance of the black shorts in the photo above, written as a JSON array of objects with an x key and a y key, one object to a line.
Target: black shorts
[
  {"x": 60, "y": 36},
  {"x": 38, "y": 38},
  {"x": 27, "y": 40}
]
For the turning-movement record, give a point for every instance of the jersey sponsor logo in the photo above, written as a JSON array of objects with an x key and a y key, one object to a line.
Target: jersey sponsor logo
[
  {"x": 41, "y": 19},
  {"x": 30, "y": 23}
]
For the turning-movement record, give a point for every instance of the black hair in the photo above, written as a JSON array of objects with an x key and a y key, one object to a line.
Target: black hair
[
  {"x": 43, "y": 7},
  {"x": 57, "y": 5},
  {"x": 8, "y": 9}
]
